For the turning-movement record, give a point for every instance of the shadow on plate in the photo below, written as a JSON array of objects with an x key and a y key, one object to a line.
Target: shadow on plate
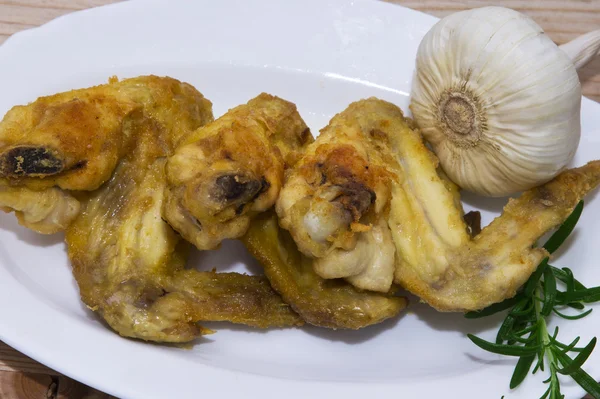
[
  {"x": 453, "y": 321},
  {"x": 232, "y": 256},
  {"x": 346, "y": 336},
  {"x": 494, "y": 205},
  {"x": 501, "y": 361},
  {"x": 353, "y": 337},
  {"x": 9, "y": 223}
]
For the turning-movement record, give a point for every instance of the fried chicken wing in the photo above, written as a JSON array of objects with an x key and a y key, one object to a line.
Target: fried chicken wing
[
  {"x": 335, "y": 204},
  {"x": 73, "y": 141},
  {"x": 437, "y": 259},
  {"x": 92, "y": 161},
  {"x": 129, "y": 263},
  {"x": 498, "y": 261},
  {"x": 336, "y": 208},
  {"x": 227, "y": 171},
  {"x": 48, "y": 211},
  {"x": 325, "y": 303}
]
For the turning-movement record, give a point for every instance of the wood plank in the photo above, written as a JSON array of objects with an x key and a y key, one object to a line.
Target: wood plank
[
  {"x": 59, "y": 4},
  {"x": 7, "y": 28},
  {"x": 27, "y": 386},
  {"x": 12, "y": 360},
  {"x": 71, "y": 389},
  {"x": 29, "y": 15}
]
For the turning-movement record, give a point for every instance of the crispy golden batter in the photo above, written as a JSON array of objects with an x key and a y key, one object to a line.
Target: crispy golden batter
[
  {"x": 498, "y": 261},
  {"x": 227, "y": 171},
  {"x": 437, "y": 258},
  {"x": 129, "y": 263},
  {"x": 335, "y": 204},
  {"x": 48, "y": 211},
  {"x": 74, "y": 140},
  {"x": 325, "y": 303}
]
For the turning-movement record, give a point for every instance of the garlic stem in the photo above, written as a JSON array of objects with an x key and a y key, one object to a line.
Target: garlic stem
[{"x": 583, "y": 49}]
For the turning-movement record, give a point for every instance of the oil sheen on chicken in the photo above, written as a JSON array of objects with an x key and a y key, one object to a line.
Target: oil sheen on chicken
[
  {"x": 129, "y": 263},
  {"x": 229, "y": 170},
  {"x": 437, "y": 259},
  {"x": 74, "y": 140},
  {"x": 325, "y": 303},
  {"x": 335, "y": 204},
  {"x": 92, "y": 161}
]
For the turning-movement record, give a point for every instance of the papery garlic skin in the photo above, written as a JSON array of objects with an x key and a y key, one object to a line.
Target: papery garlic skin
[{"x": 498, "y": 101}]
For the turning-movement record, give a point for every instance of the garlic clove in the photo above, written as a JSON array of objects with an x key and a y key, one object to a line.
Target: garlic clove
[{"x": 498, "y": 101}]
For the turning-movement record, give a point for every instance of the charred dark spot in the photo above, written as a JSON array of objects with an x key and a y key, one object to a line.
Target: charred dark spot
[
  {"x": 148, "y": 296},
  {"x": 378, "y": 135},
  {"x": 545, "y": 196},
  {"x": 29, "y": 161},
  {"x": 473, "y": 221},
  {"x": 239, "y": 209},
  {"x": 264, "y": 186},
  {"x": 78, "y": 165},
  {"x": 356, "y": 198},
  {"x": 230, "y": 188},
  {"x": 323, "y": 179},
  {"x": 305, "y": 136}
]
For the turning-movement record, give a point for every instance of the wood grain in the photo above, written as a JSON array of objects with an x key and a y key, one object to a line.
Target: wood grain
[{"x": 563, "y": 20}]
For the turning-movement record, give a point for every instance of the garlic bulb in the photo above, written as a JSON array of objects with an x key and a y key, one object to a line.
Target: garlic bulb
[{"x": 498, "y": 101}]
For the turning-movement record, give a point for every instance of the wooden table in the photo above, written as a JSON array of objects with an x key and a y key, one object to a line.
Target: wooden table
[{"x": 563, "y": 20}]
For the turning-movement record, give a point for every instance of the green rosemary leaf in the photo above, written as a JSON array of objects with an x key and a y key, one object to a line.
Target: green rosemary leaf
[
  {"x": 514, "y": 338},
  {"x": 526, "y": 330},
  {"x": 588, "y": 295},
  {"x": 509, "y": 322},
  {"x": 573, "y": 317},
  {"x": 493, "y": 309},
  {"x": 532, "y": 283},
  {"x": 564, "y": 230},
  {"x": 581, "y": 377},
  {"x": 527, "y": 308},
  {"x": 579, "y": 360},
  {"x": 549, "y": 292},
  {"x": 508, "y": 350},
  {"x": 576, "y": 305},
  {"x": 563, "y": 275},
  {"x": 545, "y": 395},
  {"x": 570, "y": 280},
  {"x": 566, "y": 348},
  {"x": 522, "y": 368}
]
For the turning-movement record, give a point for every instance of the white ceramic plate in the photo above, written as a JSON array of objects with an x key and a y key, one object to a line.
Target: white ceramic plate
[{"x": 321, "y": 55}]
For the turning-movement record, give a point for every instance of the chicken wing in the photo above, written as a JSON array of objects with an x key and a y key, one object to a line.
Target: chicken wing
[
  {"x": 437, "y": 259},
  {"x": 325, "y": 303},
  {"x": 335, "y": 207},
  {"x": 498, "y": 261},
  {"x": 227, "y": 171},
  {"x": 129, "y": 263},
  {"x": 335, "y": 203},
  {"x": 73, "y": 141}
]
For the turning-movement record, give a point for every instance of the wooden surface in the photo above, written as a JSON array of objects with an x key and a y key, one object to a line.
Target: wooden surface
[{"x": 563, "y": 20}]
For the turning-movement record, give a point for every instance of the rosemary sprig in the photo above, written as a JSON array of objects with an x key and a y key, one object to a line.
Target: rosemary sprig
[{"x": 524, "y": 332}]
